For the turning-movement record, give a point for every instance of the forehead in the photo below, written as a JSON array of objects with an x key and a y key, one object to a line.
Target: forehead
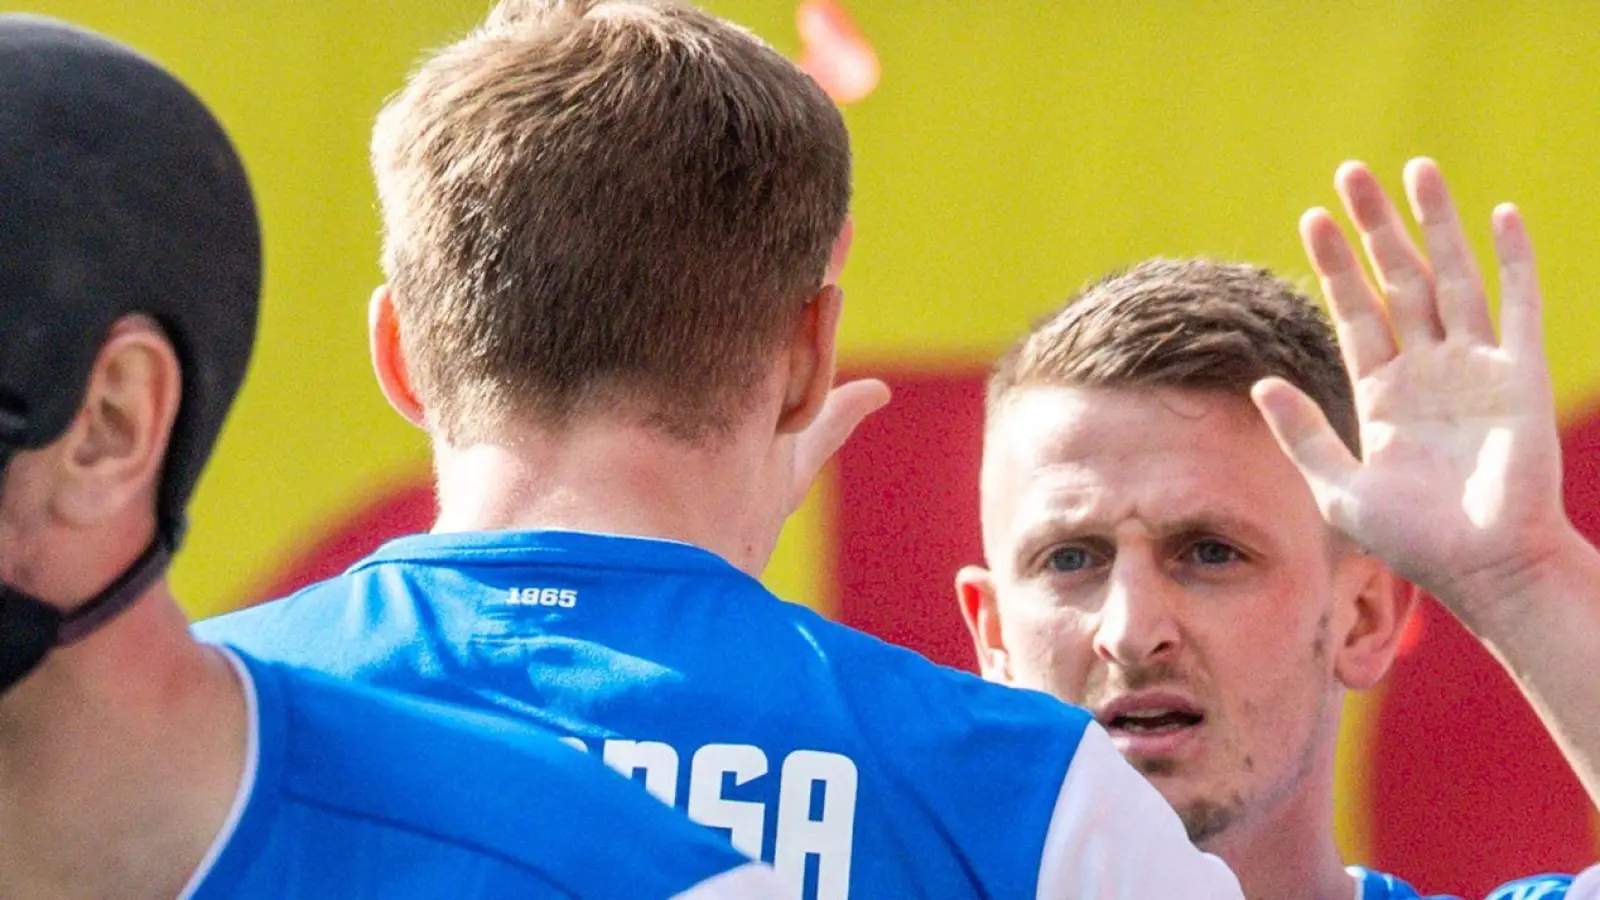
[{"x": 1158, "y": 453}]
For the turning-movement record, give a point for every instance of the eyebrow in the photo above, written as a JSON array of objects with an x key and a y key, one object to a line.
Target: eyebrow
[
  {"x": 1217, "y": 522},
  {"x": 1221, "y": 523}
]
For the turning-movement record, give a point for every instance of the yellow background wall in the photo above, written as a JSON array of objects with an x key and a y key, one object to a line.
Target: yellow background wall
[{"x": 1014, "y": 149}]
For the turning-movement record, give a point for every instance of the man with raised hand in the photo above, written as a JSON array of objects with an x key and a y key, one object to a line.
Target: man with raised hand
[
  {"x": 1458, "y": 486},
  {"x": 136, "y": 762},
  {"x": 1154, "y": 555},
  {"x": 613, "y": 234}
]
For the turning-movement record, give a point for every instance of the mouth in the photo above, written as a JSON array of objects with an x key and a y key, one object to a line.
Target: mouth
[
  {"x": 1154, "y": 721},
  {"x": 1151, "y": 725}
]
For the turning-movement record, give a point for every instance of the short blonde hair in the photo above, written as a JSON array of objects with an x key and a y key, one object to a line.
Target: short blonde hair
[
  {"x": 615, "y": 204},
  {"x": 1186, "y": 323}
]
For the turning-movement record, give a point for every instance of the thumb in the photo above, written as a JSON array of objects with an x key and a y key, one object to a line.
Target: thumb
[
  {"x": 847, "y": 406},
  {"x": 1302, "y": 430}
]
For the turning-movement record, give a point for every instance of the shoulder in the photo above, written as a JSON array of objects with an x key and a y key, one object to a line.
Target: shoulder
[
  {"x": 989, "y": 763},
  {"x": 1111, "y": 828},
  {"x": 480, "y": 785},
  {"x": 340, "y": 626},
  {"x": 938, "y": 701},
  {"x": 1584, "y": 886},
  {"x": 322, "y": 600},
  {"x": 1383, "y": 886}
]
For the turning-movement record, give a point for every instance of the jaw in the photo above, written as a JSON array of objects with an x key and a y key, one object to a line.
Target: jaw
[
  {"x": 1275, "y": 832},
  {"x": 1209, "y": 808}
]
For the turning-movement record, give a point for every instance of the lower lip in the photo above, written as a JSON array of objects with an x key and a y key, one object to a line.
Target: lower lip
[{"x": 1156, "y": 745}]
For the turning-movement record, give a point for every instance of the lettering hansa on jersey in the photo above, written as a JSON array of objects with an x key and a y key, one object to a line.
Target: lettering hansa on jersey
[
  {"x": 814, "y": 819},
  {"x": 858, "y": 769}
]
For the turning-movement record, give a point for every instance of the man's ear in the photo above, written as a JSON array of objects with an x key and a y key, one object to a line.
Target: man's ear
[
  {"x": 388, "y": 357},
  {"x": 111, "y": 455},
  {"x": 1369, "y": 637},
  {"x": 841, "y": 252},
  {"x": 812, "y": 356},
  {"x": 975, "y": 595},
  {"x": 813, "y": 352}
]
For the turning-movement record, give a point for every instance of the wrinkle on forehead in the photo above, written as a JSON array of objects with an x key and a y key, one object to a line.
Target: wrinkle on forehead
[
  {"x": 1160, "y": 503},
  {"x": 1162, "y": 457}
]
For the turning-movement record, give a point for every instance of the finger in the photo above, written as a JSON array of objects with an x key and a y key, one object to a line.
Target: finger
[
  {"x": 1521, "y": 305},
  {"x": 1407, "y": 284},
  {"x": 847, "y": 406},
  {"x": 1365, "y": 341},
  {"x": 1302, "y": 430},
  {"x": 1457, "y": 284}
]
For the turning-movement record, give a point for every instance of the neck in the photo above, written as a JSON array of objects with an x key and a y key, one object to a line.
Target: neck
[
  {"x": 613, "y": 479},
  {"x": 1287, "y": 852},
  {"x": 120, "y": 757}
]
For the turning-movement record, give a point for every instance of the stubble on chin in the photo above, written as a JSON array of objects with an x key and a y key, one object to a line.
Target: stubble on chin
[
  {"x": 1203, "y": 818},
  {"x": 1206, "y": 819}
]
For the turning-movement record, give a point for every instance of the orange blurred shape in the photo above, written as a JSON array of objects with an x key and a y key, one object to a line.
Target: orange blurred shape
[
  {"x": 1412, "y": 635},
  {"x": 834, "y": 52}
]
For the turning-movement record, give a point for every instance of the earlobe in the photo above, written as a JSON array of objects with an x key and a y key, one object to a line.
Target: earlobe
[
  {"x": 388, "y": 357},
  {"x": 980, "y": 611}
]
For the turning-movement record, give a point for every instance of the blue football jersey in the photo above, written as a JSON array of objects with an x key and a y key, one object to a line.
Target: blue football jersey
[
  {"x": 857, "y": 768},
  {"x": 1372, "y": 885},
  {"x": 1586, "y": 886},
  {"x": 354, "y": 794}
]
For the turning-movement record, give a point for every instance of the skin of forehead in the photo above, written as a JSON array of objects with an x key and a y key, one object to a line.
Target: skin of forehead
[{"x": 1045, "y": 434}]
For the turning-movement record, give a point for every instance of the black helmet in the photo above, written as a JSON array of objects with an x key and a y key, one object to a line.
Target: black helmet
[{"x": 119, "y": 194}]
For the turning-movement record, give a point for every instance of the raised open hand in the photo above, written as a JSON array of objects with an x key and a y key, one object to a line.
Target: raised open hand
[{"x": 1459, "y": 488}]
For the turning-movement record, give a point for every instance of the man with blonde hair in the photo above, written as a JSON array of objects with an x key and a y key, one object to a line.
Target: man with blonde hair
[
  {"x": 614, "y": 231},
  {"x": 1153, "y": 554},
  {"x": 136, "y": 762}
]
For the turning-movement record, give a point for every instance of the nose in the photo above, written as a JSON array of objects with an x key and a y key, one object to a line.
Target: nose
[{"x": 1136, "y": 625}]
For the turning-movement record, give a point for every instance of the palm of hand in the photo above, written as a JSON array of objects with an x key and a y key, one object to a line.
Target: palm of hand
[
  {"x": 1461, "y": 464},
  {"x": 1460, "y": 486}
]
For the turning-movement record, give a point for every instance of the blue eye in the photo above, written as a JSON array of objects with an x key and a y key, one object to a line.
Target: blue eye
[
  {"x": 1069, "y": 559},
  {"x": 1213, "y": 553}
]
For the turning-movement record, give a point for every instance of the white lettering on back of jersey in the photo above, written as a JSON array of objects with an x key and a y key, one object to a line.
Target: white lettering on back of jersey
[
  {"x": 831, "y": 836},
  {"x": 659, "y": 762},
  {"x": 745, "y": 819}
]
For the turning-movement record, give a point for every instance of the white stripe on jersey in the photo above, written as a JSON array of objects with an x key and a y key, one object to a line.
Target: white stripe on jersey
[
  {"x": 247, "y": 779},
  {"x": 1586, "y": 886},
  {"x": 1113, "y": 837}
]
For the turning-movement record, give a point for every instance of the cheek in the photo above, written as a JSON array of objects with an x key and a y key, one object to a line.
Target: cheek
[
  {"x": 1272, "y": 669},
  {"x": 1278, "y": 642},
  {"x": 1275, "y": 630},
  {"x": 24, "y": 514},
  {"x": 1050, "y": 649},
  {"x": 25, "y": 492},
  {"x": 21, "y": 556}
]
